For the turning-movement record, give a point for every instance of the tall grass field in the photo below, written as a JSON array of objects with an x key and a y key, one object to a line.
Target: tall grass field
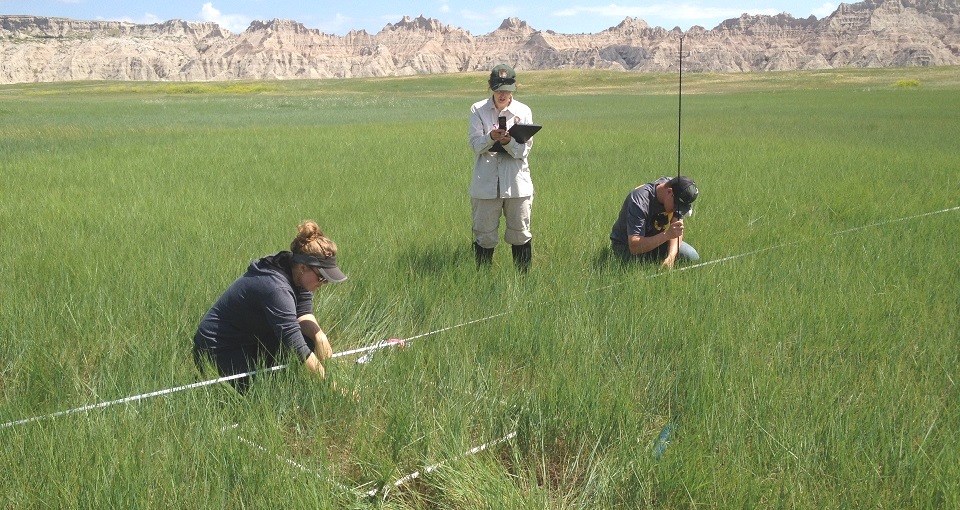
[{"x": 809, "y": 360}]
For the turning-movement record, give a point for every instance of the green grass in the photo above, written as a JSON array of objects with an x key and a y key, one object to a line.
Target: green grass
[{"x": 819, "y": 373}]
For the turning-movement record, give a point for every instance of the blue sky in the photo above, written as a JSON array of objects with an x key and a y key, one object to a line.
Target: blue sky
[{"x": 479, "y": 17}]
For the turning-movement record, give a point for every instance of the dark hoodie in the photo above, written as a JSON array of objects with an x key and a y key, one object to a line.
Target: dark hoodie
[{"x": 260, "y": 308}]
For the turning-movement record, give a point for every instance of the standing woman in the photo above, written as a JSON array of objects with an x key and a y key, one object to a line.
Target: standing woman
[
  {"x": 501, "y": 176},
  {"x": 270, "y": 305}
]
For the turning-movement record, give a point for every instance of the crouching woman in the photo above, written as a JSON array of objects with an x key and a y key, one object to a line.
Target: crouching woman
[{"x": 269, "y": 306}]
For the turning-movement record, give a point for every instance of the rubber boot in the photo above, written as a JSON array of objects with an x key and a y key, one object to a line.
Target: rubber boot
[
  {"x": 484, "y": 255},
  {"x": 523, "y": 256}
]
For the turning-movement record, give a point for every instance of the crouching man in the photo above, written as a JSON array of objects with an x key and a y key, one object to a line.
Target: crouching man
[{"x": 650, "y": 225}]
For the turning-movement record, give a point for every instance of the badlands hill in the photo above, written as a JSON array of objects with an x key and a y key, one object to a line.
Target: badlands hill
[{"x": 873, "y": 33}]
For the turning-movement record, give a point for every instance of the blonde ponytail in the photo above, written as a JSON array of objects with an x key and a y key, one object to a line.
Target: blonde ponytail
[{"x": 311, "y": 241}]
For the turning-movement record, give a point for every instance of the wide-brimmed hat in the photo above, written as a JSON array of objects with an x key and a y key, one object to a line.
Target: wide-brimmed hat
[
  {"x": 684, "y": 193},
  {"x": 327, "y": 265},
  {"x": 502, "y": 77}
]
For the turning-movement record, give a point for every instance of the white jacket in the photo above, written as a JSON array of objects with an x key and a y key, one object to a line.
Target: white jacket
[{"x": 498, "y": 175}]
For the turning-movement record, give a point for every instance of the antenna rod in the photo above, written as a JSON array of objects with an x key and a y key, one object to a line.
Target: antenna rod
[{"x": 679, "y": 105}]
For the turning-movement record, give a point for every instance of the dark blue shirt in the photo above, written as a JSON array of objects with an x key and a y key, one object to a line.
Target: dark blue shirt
[
  {"x": 261, "y": 307},
  {"x": 641, "y": 215}
]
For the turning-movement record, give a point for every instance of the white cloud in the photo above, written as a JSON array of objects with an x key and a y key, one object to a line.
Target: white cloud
[
  {"x": 676, "y": 12},
  {"x": 391, "y": 18},
  {"x": 335, "y": 25},
  {"x": 232, "y": 22},
  {"x": 146, "y": 19},
  {"x": 824, "y": 10},
  {"x": 445, "y": 8}
]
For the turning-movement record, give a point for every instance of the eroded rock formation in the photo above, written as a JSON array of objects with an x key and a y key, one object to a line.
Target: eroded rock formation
[{"x": 884, "y": 33}]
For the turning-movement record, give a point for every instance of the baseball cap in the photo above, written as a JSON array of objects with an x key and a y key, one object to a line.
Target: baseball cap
[
  {"x": 502, "y": 77},
  {"x": 327, "y": 265},
  {"x": 684, "y": 193}
]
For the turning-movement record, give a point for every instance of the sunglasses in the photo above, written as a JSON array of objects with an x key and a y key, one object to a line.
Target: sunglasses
[
  {"x": 316, "y": 271},
  {"x": 504, "y": 81}
]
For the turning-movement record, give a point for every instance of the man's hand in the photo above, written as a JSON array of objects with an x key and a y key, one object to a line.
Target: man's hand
[
  {"x": 675, "y": 230},
  {"x": 674, "y": 235}
]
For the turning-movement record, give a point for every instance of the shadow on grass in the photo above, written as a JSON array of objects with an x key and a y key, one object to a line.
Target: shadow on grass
[
  {"x": 605, "y": 261},
  {"x": 436, "y": 259},
  {"x": 442, "y": 258}
]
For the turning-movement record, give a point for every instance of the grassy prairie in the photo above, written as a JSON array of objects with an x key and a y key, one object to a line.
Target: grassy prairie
[{"x": 818, "y": 369}]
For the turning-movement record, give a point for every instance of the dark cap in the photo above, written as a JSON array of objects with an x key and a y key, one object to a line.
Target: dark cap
[
  {"x": 684, "y": 193},
  {"x": 502, "y": 77},
  {"x": 326, "y": 265}
]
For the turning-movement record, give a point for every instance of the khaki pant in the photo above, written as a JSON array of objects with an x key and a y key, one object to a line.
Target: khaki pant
[{"x": 486, "y": 220}]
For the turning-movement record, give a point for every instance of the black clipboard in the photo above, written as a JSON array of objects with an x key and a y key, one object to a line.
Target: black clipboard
[
  {"x": 519, "y": 132},
  {"x": 522, "y": 132}
]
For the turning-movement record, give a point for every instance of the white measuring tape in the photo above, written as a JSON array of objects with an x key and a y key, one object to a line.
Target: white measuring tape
[
  {"x": 429, "y": 469},
  {"x": 136, "y": 398},
  {"x": 384, "y": 489},
  {"x": 381, "y": 345},
  {"x": 393, "y": 342}
]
